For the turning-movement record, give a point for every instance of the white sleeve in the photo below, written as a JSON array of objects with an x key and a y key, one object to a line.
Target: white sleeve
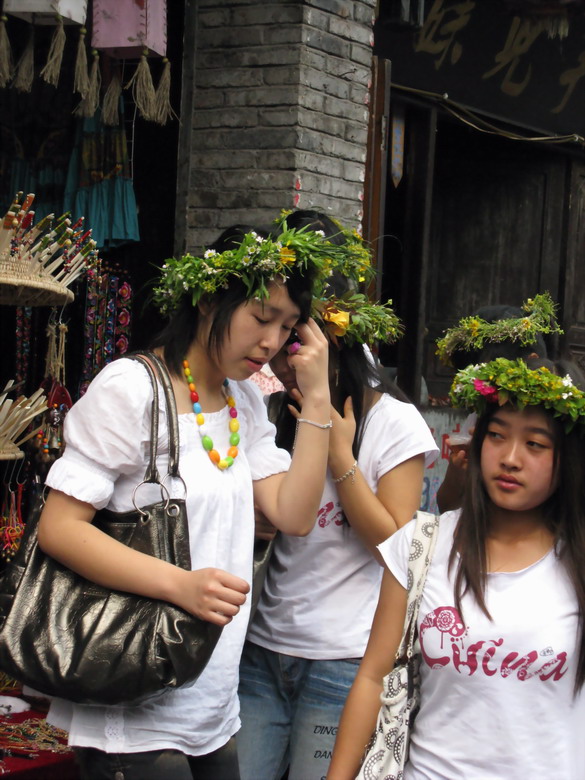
[
  {"x": 106, "y": 433},
  {"x": 264, "y": 457},
  {"x": 395, "y": 552},
  {"x": 401, "y": 433}
]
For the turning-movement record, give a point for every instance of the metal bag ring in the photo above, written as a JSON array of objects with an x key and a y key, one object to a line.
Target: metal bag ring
[
  {"x": 165, "y": 495},
  {"x": 179, "y": 477}
]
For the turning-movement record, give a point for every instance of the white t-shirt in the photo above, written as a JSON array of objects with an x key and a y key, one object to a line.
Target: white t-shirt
[
  {"x": 107, "y": 434},
  {"x": 496, "y": 697},
  {"x": 321, "y": 590}
]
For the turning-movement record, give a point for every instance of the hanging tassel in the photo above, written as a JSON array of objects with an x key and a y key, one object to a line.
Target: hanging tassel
[
  {"x": 143, "y": 88},
  {"x": 90, "y": 102},
  {"x": 50, "y": 73},
  {"x": 163, "y": 111},
  {"x": 25, "y": 69},
  {"x": 81, "y": 79},
  {"x": 5, "y": 54},
  {"x": 110, "y": 115}
]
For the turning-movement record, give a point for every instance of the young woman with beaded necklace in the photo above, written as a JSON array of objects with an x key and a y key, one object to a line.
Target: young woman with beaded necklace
[
  {"x": 502, "y": 615},
  {"x": 229, "y": 333}
]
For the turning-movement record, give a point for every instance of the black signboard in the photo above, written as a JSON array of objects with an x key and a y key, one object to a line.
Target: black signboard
[{"x": 489, "y": 59}]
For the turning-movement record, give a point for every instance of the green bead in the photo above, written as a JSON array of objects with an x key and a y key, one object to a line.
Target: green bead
[
  {"x": 207, "y": 443},
  {"x": 235, "y": 439},
  {"x": 229, "y": 460}
]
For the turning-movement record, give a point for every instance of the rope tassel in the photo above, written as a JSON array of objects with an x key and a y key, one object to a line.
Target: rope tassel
[
  {"x": 163, "y": 111},
  {"x": 90, "y": 102},
  {"x": 110, "y": 115},
  {"x": 5, "y": 54},
  {"x": 25, "y": 69},
  {"x": 81, "y": 79},
  {"x": 143, "y": 88},
  {"x": 50, "y": 73}
]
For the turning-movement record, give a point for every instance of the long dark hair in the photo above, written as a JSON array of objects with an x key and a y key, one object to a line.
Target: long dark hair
[
  {"x": 354, "y": 373},
  {"x": 181, "y": 329},
  {"x": 563, "y": 512}
]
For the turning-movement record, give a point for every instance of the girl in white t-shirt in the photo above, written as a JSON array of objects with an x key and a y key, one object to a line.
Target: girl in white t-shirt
[
  {"x": 316, "y": 608},
  {"x": 231, "y": 312},
  {"x": 503, "y": 608}
]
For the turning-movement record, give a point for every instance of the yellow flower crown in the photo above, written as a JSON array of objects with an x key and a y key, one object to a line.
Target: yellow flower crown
[
  {"x": 472, "y": 333},
  {"x": 354, "y": 318},
  {"x": 257, "y": 261},
  {"x": 504, "y": 381}
]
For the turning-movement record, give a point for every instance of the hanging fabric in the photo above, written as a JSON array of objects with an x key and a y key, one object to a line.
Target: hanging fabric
[{"x": 99, "y": 183}]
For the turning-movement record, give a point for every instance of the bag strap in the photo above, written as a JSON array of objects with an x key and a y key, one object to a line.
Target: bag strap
[
  {"x": 151, "y": 474},
  {"x": 171, "y": 405},
  {"x": 421, "y": 554}
]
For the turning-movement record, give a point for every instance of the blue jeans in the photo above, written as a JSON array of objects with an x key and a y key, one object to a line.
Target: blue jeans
[
  {"x": 95, "y": 764},
  {"x": 290, "y": 709}
]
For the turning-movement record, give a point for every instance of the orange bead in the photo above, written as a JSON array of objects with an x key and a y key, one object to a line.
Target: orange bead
[
  {"x": 214, "y": 456},
  {"x": 192, "y": 387},
  {"x": 232, "y": 452}
]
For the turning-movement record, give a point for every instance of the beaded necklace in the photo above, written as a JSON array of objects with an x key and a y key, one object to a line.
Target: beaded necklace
[{"x": 214, "y": 456}]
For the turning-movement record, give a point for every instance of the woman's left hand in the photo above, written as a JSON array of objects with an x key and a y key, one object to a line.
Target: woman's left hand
[{"x": 342, "y": 433}]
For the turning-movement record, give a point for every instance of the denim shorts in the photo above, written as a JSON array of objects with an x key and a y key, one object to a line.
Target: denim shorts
[
  {"x": 95, "y": 764},
  {"x": 290, "y": 710}
]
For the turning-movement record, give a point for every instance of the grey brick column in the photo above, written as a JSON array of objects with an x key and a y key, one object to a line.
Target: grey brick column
[{"x": 279, "y": 113}]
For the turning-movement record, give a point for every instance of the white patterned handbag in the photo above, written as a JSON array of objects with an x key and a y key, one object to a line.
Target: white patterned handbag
[{"x": 387, "y": 751}]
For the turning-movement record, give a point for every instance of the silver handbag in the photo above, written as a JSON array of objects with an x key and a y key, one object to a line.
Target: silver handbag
[{"x": 387, "y": 751}]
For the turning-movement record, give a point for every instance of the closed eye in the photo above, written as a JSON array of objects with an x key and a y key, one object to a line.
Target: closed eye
[{"x": 537, "y": 445}]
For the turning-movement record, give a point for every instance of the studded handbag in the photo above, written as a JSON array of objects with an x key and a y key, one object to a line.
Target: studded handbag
[
  {"x": 387, "y": 751},
  {"x": 65, "y": 636}
]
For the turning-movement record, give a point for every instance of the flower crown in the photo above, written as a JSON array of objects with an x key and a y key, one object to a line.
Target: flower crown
[
  {"x": 471, "y": 333},
  {"x": 352, "y": 239},
  {"x": 504, "y": 381},
  {"x": 354, "y": 318},
  {"x": 257, "y": 261}
]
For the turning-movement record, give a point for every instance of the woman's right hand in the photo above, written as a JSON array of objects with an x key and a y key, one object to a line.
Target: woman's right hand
[
  {"x": 210, "y": 594},
  {"x": 310, "y": 364}
]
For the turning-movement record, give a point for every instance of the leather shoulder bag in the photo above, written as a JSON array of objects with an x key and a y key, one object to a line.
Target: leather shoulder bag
[{"x": 68, "y": 637}]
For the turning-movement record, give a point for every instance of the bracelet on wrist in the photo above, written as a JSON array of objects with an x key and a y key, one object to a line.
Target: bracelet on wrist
[
  {"x": 349, "y": 473},
  {"x": 323, "y": 426}
]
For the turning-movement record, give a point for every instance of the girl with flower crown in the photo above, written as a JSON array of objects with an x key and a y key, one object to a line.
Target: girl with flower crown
[
  {"x": 230, "y": 313},
  {"x": 501, "y": 621},
  {"x": 315, "y": 611}
]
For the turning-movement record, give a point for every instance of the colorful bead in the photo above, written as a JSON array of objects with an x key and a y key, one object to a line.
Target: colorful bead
[{"x": 234, "y": 425}]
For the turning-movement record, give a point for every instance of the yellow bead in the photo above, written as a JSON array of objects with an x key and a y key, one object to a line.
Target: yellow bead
[
  {"x": 200, "y": 419},
  {"x": 234, "y": 425},
  {"x": 187, "y": 371},
  {"x": 230, "y": 401},
  {"x": 223, "y": 464}
]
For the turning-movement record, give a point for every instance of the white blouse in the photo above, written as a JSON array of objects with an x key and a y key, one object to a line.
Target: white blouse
[{"x": 107, "y": 434}]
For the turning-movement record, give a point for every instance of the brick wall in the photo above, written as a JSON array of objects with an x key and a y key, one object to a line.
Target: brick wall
[{"x": 279, "y": 113}]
